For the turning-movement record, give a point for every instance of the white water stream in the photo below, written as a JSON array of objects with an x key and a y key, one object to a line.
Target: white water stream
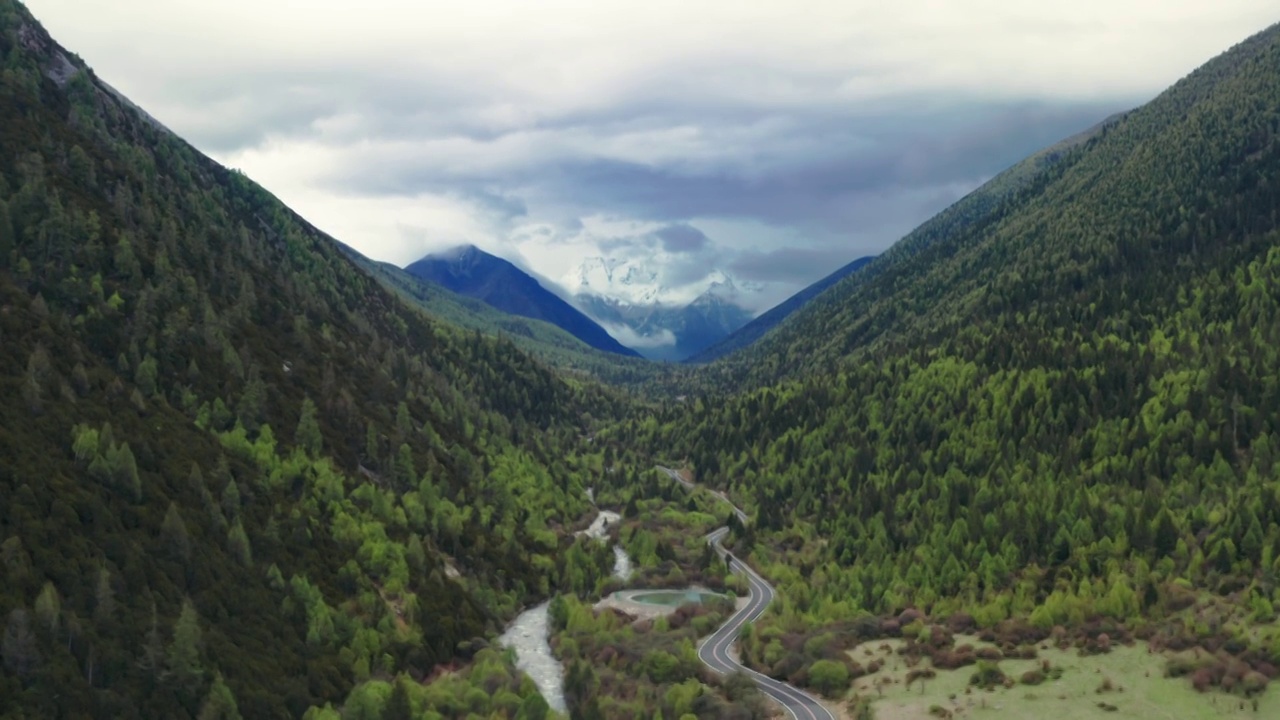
[
  {"x": 528, "y": 633},
  {"x": 528, "y": 636}
]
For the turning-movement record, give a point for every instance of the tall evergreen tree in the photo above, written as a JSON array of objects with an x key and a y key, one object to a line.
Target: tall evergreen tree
[
  {"x": 19, "y": 649},
  {"x": 182, "y": 658},
  {"x": 308, "y": 435}
]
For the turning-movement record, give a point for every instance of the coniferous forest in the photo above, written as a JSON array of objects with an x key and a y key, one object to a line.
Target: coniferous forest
[{"x": 243, "y": 474}]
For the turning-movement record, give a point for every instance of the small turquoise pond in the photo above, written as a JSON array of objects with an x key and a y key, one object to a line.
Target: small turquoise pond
[{"x": 674, "y": 598}]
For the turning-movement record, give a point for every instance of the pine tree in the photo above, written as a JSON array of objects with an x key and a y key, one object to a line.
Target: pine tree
[
  {"x": 151, "y": 660},
  {"x": 182, "y": 659},
  {"x": 21, "y": 654},
  {"x": 405, "y": 474},
  {"x": 220, "y": 703},
  {"x": 404, "y": 423},
  {"x": 104, "y": 605},
  {"x": 231, "y": 501},
  {"x": 49, "y": 608},
  {"x": 124, "y": 471},
  {"x": 398, "y": 705},
  {"x": 308, "y": 435},
  {"x": 238, "y": 543},
  {"x": 33, "y": 380},
  {"x": 1166, "y": 534},
  {"x": 6, "y": 236},
  {"x": 371, "y": 445},
  {"x": 533, "y": 707},
  {"x": 174, "y": 532}
]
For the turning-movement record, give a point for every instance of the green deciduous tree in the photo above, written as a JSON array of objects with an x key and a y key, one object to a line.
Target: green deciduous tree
[{"x": 829, "y": 677}]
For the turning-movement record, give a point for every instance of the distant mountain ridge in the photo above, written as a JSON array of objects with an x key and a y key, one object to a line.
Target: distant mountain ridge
[
  {"x": 670, "y": 332},
  {"x": 664, "y": 317},
  {"x": 756, "y": 329},
  {"x": 471, "y": 272}
]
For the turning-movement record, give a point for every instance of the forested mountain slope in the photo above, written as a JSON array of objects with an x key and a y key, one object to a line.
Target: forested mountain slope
[
  {"x": 235, "y": 468},
  {"x": 769, "y": 360},
  {"x": 1068, "y": 405},
  {"x": 540, "y": 339},
  {"x": 471, "y": 272}
]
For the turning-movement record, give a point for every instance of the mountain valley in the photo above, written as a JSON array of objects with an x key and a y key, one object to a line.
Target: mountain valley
[{"x": 1025, "y": 461}]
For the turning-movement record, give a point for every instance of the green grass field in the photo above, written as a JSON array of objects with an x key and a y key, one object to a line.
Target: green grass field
[{"x": 1140, "y": 689}]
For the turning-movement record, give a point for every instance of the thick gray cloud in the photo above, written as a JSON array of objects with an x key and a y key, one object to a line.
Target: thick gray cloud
[
  {"x": 793, "y": 266},
  {"x": 772, "y": 141},
  {"x": 682, "y": 238}
]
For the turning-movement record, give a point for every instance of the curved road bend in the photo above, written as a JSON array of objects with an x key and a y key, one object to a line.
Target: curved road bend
[{"x": 714, "y": 651}]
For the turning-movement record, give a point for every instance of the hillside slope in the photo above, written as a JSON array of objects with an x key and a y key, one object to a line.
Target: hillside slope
[
  {"x": 1059, "y": 407},
  {"x": 970, "y": 216},
  {"x": 541, "y": 340},
  {"x": 474, "y": 273},
  {"x": 237, "y": 471},
  {"x": 756, "y": 329}
]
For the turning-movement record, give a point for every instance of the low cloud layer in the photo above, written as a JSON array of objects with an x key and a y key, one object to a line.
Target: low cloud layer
[{"x": 772, "y": 141}]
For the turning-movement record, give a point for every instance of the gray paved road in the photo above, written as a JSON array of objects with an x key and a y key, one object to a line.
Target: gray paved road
[{"x": 714, "y": 651}]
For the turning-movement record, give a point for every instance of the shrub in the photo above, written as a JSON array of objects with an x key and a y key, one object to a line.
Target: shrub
[
  {"x": 988, "y": 675},
  {"x": 829, "y": 677},
  {"x": 1032, "y": 677},
  {"x": 788, "y": 666},
  {"x": 909, "y": 615},
  {"x": 961, "y": 622},
  {"x": 1023, "y": 652},
  {"x": 920, "y": 674},
  {"x": 1253, "y": 683},
  {"x": 952, "y": 659},
  {"x": 990, "y": 653}
]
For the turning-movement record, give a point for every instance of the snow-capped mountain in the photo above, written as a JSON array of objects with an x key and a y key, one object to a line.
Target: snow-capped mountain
[
  {"x": 635, "y": 282},
  {"x": 662, "y": 318}
]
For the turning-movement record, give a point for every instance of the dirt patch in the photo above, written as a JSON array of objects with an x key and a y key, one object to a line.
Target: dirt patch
[{"x": 621, "y": 602}]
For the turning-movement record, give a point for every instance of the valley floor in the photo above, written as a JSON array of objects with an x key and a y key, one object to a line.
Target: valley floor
[{"x": 1139, "y": 689}]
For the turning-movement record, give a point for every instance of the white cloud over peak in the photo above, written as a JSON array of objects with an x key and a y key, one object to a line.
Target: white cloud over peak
[{"x": 777, "y": 140}]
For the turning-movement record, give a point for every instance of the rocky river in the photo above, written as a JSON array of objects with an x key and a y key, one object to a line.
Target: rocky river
[{"x": 528, "y": 633}]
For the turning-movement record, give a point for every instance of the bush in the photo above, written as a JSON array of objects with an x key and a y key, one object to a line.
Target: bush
[
  {"x": 1022, "y": 652},
  {"x": 1254, "y": 683},
  {"x": 1032, "y": 677},
  {"x": 961, "y": 623},
  {"x": 988, "y": 675},
  {"x": 952, "y": 659},
  {"x": 920, "y": 674},
  {"x": 990, "y": 653},
  {"x": 788, "y": 666},
  {"x": 829, "y": 677}
]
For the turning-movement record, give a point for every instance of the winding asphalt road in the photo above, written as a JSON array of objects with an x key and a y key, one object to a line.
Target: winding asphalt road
[{"x": 714, "y": 651}]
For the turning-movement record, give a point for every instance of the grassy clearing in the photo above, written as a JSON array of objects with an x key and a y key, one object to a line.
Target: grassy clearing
[{"x": 1140, "y": 689}]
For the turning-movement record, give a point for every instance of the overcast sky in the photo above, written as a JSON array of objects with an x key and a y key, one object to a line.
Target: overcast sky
[{"x": 774, "y": 140}]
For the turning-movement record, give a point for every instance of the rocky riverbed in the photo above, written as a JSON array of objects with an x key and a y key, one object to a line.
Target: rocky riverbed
[{"x": 528, "y": 633}]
